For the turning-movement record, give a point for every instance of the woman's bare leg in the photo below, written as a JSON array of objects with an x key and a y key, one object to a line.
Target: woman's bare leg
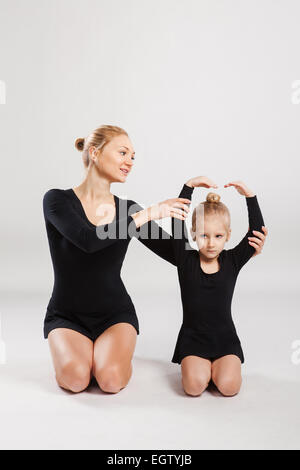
[
  {"x": 226, "y": 374},
  {"x": 72, "y": 356},
  {"x": 113, "y": 352},
  {"x": 196, "y": 374}
]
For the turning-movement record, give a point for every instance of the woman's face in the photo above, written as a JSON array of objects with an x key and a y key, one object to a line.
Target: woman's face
[{"x": 116, "y": 159}]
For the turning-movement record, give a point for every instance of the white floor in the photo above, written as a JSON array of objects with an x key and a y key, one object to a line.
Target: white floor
[{"x": 153, "y": 412}]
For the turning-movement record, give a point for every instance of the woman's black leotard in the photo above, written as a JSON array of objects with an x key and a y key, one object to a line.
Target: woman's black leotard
[
  {"x": 88, "y": 294},
  {"x": 207, "y": 329}
]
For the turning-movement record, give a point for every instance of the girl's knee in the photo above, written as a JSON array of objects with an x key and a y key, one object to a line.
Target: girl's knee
[
  {"x": 195, "y": 386},
  {"x": 228, "y": 386},
  {"x": 74, "y": 376}
]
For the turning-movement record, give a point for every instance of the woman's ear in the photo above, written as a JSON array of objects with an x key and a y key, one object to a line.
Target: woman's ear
[{"x": 93, "y": 152}]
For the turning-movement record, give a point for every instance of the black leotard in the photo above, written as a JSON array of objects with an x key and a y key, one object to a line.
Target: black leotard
[
  {"x": 207, "y": 329},
  {"x": 88, "y": 294}
]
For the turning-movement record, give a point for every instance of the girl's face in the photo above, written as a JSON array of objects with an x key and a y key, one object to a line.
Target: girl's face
[
  {"x": 115, "y": 161},
  {"x": 211, "y": 236}
]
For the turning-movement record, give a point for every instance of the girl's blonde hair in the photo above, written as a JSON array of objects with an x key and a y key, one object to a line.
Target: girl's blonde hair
[
  {"x": 211, "y": 207},
  {"x": 98, "y": 138}
]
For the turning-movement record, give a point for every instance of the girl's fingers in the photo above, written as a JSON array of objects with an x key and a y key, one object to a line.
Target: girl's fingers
[{"x": 234, "y": 183}]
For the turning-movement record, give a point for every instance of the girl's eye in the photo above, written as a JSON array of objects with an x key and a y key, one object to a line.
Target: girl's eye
[{"x": 123, "y": 152}]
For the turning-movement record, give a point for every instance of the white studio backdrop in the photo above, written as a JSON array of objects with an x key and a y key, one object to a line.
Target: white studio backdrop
[{"x": 202, "y": 87}]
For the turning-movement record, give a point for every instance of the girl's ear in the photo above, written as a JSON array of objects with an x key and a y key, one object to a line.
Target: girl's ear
[
  {"x": 228, "y": 234},
  {"x": 193, "y": 234}
]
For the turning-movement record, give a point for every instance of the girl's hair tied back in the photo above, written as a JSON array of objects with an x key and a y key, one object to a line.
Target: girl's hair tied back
[{"x": 213, "y": 197}]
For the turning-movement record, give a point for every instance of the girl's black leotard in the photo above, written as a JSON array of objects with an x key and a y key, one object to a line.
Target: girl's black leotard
[
  {"x": 207, "y": 329},
  {"x": 88, "y": 294}
]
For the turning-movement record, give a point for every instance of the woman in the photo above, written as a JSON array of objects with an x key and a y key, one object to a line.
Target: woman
[{"x": 91, "y": 323}]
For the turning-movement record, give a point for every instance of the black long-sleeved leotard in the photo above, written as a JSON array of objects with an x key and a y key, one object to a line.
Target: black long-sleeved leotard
[
  {"x": 207, "y": 329},
  {"x": 88, "y": 293}
]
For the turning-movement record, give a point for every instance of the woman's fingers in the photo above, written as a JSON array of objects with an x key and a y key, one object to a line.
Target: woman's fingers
[
  {"x": 259, "y": 234},
  {"x": 181, "y": 205},
  {"x": 177, "y": 216},
  {"x": 256, "y": 240},
  {"x": 175, "y": 210},
  {"x": 183, "y": 200},
  {"x": 255, "y": 245}
]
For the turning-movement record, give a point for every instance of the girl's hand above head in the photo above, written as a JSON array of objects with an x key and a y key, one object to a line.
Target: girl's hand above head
[
  {"x": 258, "y": 240},
  {"x": 201, "y": 181},
  {"x": 241, "y": 188}
]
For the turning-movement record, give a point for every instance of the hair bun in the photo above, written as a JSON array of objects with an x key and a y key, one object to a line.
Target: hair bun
[
  {"x": 213, "y": 197},
  {"x": 79, "y": 143}
]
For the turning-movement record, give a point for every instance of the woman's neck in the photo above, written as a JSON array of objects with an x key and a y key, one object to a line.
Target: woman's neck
[{"x": 94, "y": 188}]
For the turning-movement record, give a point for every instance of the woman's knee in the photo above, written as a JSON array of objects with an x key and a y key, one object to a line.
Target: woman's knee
[
  {"x": 112, "y": 378},
  {"x": 74, "y": 376}
]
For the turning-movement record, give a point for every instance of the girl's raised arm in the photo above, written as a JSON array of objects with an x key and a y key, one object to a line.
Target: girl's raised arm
[{"x": 242, "y": 252}]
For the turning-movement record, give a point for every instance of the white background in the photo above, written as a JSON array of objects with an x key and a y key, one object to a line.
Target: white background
[{"x": 202, "y": 88}]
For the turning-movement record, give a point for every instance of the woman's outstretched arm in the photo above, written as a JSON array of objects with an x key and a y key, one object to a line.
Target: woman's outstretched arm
[{"x": 150, "y": 233}]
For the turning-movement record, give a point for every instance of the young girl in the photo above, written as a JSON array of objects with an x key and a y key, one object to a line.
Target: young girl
[{"x": 208, "y": 347}]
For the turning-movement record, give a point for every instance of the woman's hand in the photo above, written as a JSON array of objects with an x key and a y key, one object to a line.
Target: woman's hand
[
  {"x": 201, "y": 181},
  {"x": 175, "y": 207},
  {"x": 258, "y": 241},
  {"x": 241, "y": 188}
]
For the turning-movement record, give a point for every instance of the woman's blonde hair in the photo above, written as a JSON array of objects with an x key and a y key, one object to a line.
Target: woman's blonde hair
[
  {"x": 98, "y": 138},
  {"x": 211, "y": 207}
]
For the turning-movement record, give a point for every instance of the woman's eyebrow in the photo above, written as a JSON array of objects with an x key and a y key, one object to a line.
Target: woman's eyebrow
[{"x": 126, "y": 148}]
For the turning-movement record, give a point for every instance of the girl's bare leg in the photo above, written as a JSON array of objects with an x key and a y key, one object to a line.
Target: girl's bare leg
[
  {"x": 226, "y": 374},
  {"x": 113, "y": 352},
  {"x": 196, "y": 374},
  {"x": 72, "y": 356}
]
